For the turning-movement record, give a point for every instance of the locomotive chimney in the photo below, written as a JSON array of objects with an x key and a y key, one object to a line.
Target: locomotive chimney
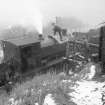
[{"x": 41, "y": 37}]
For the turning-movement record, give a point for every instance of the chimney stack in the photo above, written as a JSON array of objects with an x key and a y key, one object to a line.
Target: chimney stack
[{"x": 41, "y": 37}]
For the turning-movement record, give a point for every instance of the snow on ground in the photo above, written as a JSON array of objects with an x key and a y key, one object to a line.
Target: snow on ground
[
  {"x": 82, "y": 89},
  {"x": 49, "y": 100},
  {"x": 85, "y": 90},
  {"x": 88, "y": 93}
]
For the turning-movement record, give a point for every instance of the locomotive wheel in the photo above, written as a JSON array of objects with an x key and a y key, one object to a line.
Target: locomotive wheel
[
  {"x": 15, "y": 67},
  {"x": 4, "y": 75}
]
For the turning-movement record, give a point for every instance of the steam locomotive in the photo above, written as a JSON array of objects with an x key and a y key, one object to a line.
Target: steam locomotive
[{"x": 26, "y": 54}]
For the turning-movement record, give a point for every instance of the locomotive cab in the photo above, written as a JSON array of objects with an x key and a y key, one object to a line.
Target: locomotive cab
[
  {"x": 9, "y": 60},
  {"x": 29, "y": 48},
  {"x": 28, "y": 53}
]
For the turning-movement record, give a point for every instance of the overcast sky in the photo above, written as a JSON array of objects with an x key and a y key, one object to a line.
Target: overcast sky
[
  {"x": 89, "y": 11},
  {"x": 35, "y": 11}
]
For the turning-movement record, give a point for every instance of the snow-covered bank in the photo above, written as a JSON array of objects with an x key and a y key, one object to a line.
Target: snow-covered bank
[{"x": 60, "y": 89}]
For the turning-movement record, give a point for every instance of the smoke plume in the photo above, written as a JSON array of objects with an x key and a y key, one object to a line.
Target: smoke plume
[{"x": 20, "y": 12}]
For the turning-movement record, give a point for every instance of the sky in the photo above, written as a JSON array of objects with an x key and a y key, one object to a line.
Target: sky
[
  {"x": 89, "y": 11},
  {"x": 39, "y": 12}
]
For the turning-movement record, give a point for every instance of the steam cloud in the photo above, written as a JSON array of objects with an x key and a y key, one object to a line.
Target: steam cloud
[{"x": 21, "y": 12}]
